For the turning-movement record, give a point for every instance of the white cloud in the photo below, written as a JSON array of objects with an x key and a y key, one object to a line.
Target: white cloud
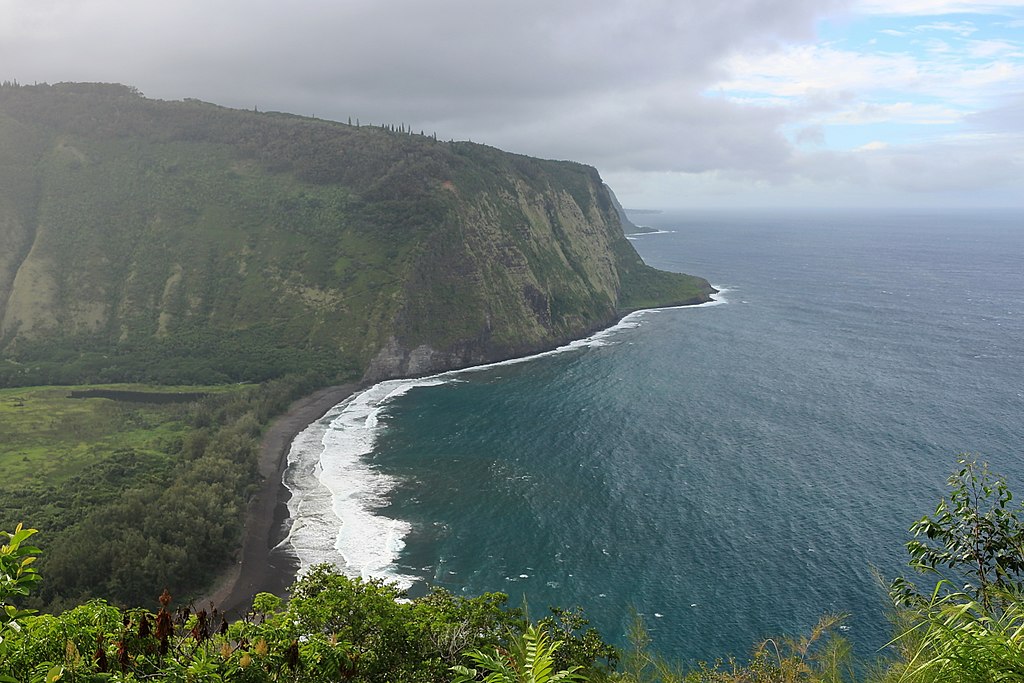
[
  {"x": 803, "y": 69},
  {"x": 896, "y": 113},
  {"x": 950, "y": 167},
  {"x": 964, "y": 28},
  {"x": 935, "y": 46},
  {"x": 987, "y": 49},
  {"x": 1001, "y": 74},
  {"x": 934, "y": 7},
  {"x": 1007, "y": 116}
]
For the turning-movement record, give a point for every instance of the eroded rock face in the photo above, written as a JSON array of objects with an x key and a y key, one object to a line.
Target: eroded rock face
[{"x": 395, "y": 361}]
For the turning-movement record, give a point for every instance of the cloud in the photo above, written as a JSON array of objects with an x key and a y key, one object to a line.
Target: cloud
[
  {"x": 1006, "y": 117},
  {"x": 988, "y": 49},
  {"x": 963, "y": 28},
  {"x": 810, "y": 135},
  {"x": 957, "y": 164},
  {"x": 662, "y": 128},
  {"x": 949, "y": 168},
  {"x": 804, "y": 69},
  {"x": 896, "y": 113},
  {"x": 681, "y": 91},
  {"x": 460, "y": 51},
  {"x": 616, "y": 83},
  {"x": 952, "y": 173},
  {"x": 800, "y": 70},
  {"x": 934, "y": 8}
]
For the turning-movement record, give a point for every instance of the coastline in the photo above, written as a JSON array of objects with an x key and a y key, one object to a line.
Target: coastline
[{"x": 260, "y": 568}]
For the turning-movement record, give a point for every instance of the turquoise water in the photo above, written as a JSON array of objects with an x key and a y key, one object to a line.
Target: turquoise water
[{"x": 730, "y": 472}]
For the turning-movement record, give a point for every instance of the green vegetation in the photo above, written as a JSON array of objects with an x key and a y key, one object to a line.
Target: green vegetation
[
  {"x": 185, "y": 243},
  {"x": 333, "y": 628},
  {"x": 133, "y": 493},
  {"x": 48, "y": 440},
  {"x": 528, "y": 658},
  {"x": 204, "y": 250},
  {"x": 338, "y": 628},
  {"x": 970, "y": 625},
  {"x": 975, "y": 541},
  {"x": 182, "y": 243},
  {"x": 17, "y": 577}
]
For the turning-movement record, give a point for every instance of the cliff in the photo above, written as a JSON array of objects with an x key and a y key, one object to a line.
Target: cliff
[{"x": 182, "y": 241}]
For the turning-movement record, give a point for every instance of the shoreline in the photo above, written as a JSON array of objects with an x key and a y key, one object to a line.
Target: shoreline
[
  {"x": 261, "y": 568},
  {"x": 264, "y": 568}
]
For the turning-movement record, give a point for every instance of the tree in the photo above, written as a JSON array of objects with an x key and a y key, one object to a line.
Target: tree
[
  {"x": 974, "y": 542},
  {"x": 17, "y": 577},
  {"x": 970, "y": 627}
]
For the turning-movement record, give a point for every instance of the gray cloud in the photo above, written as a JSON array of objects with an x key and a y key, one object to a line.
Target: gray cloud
[
  {"x": 535, "y": 76},
  {"x": 619, "y": 84},
  {"x": 1008, "y": 117},
  {"x": 957, "y": 168},
  {"x": 810, "y": 135}
]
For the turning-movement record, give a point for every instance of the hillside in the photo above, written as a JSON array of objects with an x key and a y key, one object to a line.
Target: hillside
[{"x": 186, "y": 242}]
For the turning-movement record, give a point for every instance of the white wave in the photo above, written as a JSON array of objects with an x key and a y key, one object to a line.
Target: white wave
[
  {"x": 600, "y": 338},
  {"x": 719, "y": 297},
  {"x": 634, "y": 235},
  {"x": 632, "y": 320},
  {"x": 334, "y": 491}
]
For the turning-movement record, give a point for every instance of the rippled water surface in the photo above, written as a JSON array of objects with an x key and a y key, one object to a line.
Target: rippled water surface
[{"x": 731, "y": 471}]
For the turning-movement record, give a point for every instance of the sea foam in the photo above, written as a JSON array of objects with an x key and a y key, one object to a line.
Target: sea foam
[{"x": 336, "y": 494}]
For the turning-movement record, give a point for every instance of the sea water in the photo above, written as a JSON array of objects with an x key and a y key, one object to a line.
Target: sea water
[{"x": 727, "y": 472}]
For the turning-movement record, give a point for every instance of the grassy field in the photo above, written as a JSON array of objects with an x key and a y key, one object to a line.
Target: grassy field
[
  {"x": 47, "y": 438},
  {"x": 128, "y": 494}
]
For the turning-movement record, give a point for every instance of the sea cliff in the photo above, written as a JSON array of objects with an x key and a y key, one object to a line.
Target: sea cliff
[{"x": 186, "y": 242}]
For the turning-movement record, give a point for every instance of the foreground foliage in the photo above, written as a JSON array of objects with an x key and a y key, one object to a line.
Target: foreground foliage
[
  {"x": 332, "y": 628},
  {"x": 529, "y": 658},
  {"x": 336, "y": 628},
  {"x": 17, "y": 577},
  {"x": 975, "y": 540},
  {"x": 970, "y": 627}
]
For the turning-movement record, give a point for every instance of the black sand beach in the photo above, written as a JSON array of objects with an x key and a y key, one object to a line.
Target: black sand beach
[{"x": 261, "y": 569}]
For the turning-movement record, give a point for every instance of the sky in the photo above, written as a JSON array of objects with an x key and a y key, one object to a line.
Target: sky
[{"x": 678, "y": 103}]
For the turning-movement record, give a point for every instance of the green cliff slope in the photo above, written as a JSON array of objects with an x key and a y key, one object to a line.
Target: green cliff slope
[{"x": 185, "y": 242}]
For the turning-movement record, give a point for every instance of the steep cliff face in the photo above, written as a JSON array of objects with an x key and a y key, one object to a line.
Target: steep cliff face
[{"x": 142, "y": 239}]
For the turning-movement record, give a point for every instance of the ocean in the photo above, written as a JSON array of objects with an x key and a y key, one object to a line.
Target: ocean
[{"x": 728, "y": 472}]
